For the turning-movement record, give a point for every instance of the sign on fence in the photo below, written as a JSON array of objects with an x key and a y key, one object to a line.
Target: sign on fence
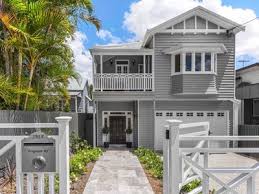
[{"x": 40, "y": 158}]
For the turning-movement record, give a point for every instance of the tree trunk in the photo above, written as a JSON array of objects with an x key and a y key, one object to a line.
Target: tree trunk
[
  {"x": 29, "y": 84},
  {"x": 19, "y": 78},
  {"x": 6, "y": 55}
]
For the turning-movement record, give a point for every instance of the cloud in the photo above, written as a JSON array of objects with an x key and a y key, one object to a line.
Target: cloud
[
  {"x": 82, "y": 57},
  {"x": 145, "y": 14},
  {"x": 106, "y": 35}
]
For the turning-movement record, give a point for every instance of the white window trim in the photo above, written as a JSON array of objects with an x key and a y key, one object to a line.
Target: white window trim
[
  {"x": 125, "y": 115},
  {"x": 254, "y": 115},
  {"x": 121, "y": 65},
  {"x": 183, "y": 63}
]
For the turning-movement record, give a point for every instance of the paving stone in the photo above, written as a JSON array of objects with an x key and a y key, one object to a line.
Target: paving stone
[{"x": 118, "y": 172}]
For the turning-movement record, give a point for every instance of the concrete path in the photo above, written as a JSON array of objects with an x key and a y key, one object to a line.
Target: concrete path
[{"x": 118, "y": 172}]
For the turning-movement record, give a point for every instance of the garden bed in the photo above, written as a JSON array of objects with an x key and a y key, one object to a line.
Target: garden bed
[{"x": 153, "y": 167}]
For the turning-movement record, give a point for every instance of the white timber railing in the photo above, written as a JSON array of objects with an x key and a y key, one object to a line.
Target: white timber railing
[
  {"x": 28, "y": 182},
  {"x": 123, "y": 82},
  {"x": 181, "y": 159}
]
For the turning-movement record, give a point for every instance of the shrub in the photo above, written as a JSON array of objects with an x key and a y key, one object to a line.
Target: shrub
[
  {"x": 79, "y": 161},
  {"x": 192, "y": 185},
  {"x": 129, "y": 131},
  {"x": 105, "y": 130},
  {"x": 151, "y": 161},
  {"x": 154, "y": 164},
  {"x": 77, "y": 144}
]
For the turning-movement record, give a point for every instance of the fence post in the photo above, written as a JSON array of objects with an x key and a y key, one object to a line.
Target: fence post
[
  {"x": 205, "y": 177},
  {"x": 166, "y": 160},
  {"x": 174, "y": 157},
  {"x": 251, "y": 185},
  {"x": 63, "y": 126}
]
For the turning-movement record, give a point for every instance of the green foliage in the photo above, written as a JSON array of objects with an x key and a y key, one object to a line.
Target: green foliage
[
  {"x": 82, "y": 154},
  {"x": 77, "y": 144},
  {"x": 192, "y": 185},
  {"x": 154, "y": 164},
  {"x": 129, "y": 131},
  {"x": 34, "y": 53},
  {"x": 79, "y": 161},
  {"x": 105, "y": 130},
  {"x": 151, "y": 161}
]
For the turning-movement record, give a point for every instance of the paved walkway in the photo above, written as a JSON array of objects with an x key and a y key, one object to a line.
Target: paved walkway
[{"x": 118, "y": 172}]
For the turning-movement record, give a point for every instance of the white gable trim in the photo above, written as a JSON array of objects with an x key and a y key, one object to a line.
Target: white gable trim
[{"x": 198, "y": 11}]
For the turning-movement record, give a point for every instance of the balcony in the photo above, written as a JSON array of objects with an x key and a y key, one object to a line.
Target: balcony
[
  {"x": 123, "y": 73},
  {"x": 123, "y": 82}
]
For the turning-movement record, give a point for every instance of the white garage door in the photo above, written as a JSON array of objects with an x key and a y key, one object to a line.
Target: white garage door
[{"x": 218, "y": 122}]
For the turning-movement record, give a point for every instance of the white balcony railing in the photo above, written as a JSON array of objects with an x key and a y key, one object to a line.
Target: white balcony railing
[{"x": 123, "y": 82}]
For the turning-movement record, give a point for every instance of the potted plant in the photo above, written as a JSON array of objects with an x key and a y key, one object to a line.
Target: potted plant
[
  {"x": 106, "y": 132},
  {"x": 129, "y": 137}
]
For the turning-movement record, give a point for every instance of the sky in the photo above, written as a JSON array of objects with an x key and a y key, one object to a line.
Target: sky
[{"x": 127, "y": 20}]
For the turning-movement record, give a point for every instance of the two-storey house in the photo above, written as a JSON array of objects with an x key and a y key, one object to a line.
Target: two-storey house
[{"x": 183, "y": 69}]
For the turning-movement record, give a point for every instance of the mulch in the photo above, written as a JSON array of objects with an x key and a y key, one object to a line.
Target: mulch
[
  {"x": 156, "y": 184},
  {"x": 79, "y": 186}
]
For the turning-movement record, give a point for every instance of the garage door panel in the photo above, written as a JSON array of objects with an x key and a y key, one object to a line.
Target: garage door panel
[{"x": 218, "y": 123}]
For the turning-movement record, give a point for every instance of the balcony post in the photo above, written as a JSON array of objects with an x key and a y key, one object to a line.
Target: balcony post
[
  {"x": 101, "y": 63},
  {"x": 93, "y": 72},
  {"x": 144, "y": 69}
]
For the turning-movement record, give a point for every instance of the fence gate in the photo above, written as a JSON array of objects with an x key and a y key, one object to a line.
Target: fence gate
[
  {"x": 40, "y": 181},
  {"x": 181, "y": 163}
]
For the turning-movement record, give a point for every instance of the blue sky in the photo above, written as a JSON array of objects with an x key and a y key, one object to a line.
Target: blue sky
[{"x": 118, "y": 28}]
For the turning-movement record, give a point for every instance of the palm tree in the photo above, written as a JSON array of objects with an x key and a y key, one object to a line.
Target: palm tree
[{"x": 36, "y": 31}]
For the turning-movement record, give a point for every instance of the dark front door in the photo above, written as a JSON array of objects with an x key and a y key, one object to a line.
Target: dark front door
[{"x": 117, "y": 129}]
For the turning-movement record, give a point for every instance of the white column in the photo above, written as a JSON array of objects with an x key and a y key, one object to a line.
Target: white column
[
  {"x": 63, "y": 127},
  {"x": 183, "y": 62},
  {"x": 174, "y": 156},
  {"x": 94, "y": 125},
  {"x": 19, "y": 175},
  {"x": 101, "y": 64},
  {"x": 213, "y": 67},
  {"x": 93, "y": 73},
  {"x": 144, "y": 67},
  {"x": 205, "y": 177},
  {"x": 193, "y": 61},
  {"x": 166, "y": 161},
  {"x": 76, "y": 103},
  {"x": 203, "y": 61},
  {"x": 251, "y": 185}
]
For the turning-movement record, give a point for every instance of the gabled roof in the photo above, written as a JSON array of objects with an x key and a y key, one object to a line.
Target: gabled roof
[
  {"x": 74, "y": 85},
  {"x": 197, "y": 11},
  {"x": 248, "y": 68},
  {"x": 131, "y": 45}
]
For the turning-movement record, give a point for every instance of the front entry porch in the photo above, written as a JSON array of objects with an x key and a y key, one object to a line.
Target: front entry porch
[{"x": 118, "y": 122}]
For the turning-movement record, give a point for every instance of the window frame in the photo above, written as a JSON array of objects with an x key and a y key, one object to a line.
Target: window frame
[
  {"x": 254, "y": 100},
  {"x": 121, "y": 65},
  {"x": 183, "y": 60}
]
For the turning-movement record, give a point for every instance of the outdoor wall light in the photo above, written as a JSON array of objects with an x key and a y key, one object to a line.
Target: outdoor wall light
[
  {"x": 133, "y": 62},
  {"x": 111, "y": 61}
]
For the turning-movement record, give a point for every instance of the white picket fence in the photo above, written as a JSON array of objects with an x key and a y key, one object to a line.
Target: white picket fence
[
  {"x": 26, "y": 183},
  {"x": 181, "y": 163}
]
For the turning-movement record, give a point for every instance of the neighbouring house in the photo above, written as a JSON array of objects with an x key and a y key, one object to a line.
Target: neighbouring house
[
  {"x": 80, "y": 100},
  {"x": 247, "y": 90},
  {"x": 183, "y": 69}
]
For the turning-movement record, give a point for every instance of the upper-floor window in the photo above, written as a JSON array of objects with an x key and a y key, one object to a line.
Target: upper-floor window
[
  {"x": 122, "y": 66},
  {"x": 194, "y": 62}
]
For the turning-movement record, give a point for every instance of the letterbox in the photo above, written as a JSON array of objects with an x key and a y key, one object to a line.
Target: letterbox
[{"x": 38, "y": 153}]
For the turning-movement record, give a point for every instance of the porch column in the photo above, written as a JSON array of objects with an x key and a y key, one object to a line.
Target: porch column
[
  {"x": 94, "y": 126},
  {"x": 101, "y": 63},
  {"x": 144, "y": 69},
  {"x": 76, "y": 103},
  {"x": 93, "y": 72}
]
